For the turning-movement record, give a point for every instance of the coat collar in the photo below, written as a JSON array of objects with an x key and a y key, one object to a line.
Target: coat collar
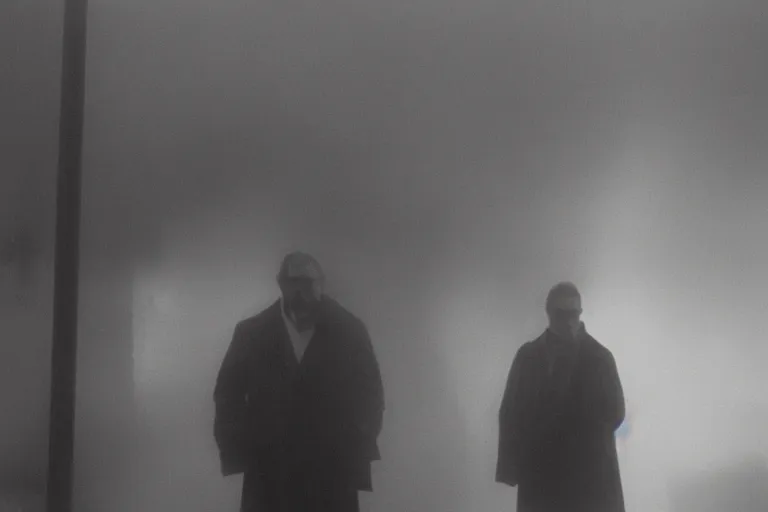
[
  {"x": 550, "y": 336},
  {"x": 328, "y": 311}
]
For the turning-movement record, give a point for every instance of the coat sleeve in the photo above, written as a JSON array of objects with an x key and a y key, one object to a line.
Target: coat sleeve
[
  {"x": 611, "y": 410},
  {"x": 507, "y": 465},
  {"x": 369, "y": 393},
  {"x": 365, "y": 402},
  {"x": 230, "y": 400}
]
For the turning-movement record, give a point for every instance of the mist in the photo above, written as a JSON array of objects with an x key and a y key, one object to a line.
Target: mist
[{"x": 446, "y": 164}]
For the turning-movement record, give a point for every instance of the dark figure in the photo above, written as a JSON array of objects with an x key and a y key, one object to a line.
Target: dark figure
[
  {"x": 299, "y": 401},
  {"x": 562, "y": 404}
]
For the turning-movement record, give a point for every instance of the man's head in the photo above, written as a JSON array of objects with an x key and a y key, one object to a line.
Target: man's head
[
  {"x": 301, "y": 283},
  {"x": 564, "y": 310}
]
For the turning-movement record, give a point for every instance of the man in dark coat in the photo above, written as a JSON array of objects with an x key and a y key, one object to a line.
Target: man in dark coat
[
  {"x": 299, "y": 400},
  {"x": 562, "y": 404}
]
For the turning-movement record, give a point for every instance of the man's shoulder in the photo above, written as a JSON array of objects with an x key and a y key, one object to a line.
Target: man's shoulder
[
  {"x": 527, "y": 349},
  {"x": 597, "y": 349},
  {"x": 533, "y": 344},
  {"x": 255, "y": 323},
  {"x": 341, "y": 316}
]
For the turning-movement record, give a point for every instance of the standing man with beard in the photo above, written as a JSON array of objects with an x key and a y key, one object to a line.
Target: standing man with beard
[
  {"x": 299, "y": 400},
  {"x": 562, "y": 404}
]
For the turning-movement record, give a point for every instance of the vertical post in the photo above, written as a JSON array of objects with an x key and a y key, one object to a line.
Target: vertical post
[{"x": 67, "y": 256}]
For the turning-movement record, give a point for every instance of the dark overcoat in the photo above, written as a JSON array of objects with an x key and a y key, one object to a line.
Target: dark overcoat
[
  {"x": 304, "y": 429},
  {"x": 561, "y": 454}
]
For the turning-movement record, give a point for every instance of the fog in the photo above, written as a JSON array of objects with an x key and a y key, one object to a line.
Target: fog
[{"x": 446, "y": 163}]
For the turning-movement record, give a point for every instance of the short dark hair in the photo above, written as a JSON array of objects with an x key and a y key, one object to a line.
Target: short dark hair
[
  {"x": 562, "y": 289},
  {"x": 299, "y": 258}
]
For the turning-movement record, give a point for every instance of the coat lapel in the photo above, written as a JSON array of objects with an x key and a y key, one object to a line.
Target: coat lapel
[
  {"x": 279, "y": 341},
  {"x": 547, "y": 399},
  {"x": 322, "y": 342}
]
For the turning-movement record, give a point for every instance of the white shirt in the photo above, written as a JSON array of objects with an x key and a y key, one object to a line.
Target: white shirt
[{"x": 299, "y": 340}]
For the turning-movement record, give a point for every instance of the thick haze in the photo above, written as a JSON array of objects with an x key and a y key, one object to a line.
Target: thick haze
[{"x": 446, "y": 163}]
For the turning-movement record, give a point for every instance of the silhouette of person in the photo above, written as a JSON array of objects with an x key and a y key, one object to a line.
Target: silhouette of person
[
  {"x": 562, "y": 404},
  {"x": 299, "y": 400}
]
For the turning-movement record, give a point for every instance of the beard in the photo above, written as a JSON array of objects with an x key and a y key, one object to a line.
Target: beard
[
  {"x": 304, "y": 312},
  {"x": 567, "y": 332}
]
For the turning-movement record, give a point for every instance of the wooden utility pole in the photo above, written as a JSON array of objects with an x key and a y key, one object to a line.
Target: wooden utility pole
[{"x": 67, "y": 261}]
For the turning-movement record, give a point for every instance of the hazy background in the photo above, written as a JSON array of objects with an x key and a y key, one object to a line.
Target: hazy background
[{"x": 447, "y": 163}]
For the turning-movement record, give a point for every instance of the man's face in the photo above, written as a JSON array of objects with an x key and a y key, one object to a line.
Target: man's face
[
  {"x": 565, "y": 316},
  {"x": 302, "y": 298}
]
